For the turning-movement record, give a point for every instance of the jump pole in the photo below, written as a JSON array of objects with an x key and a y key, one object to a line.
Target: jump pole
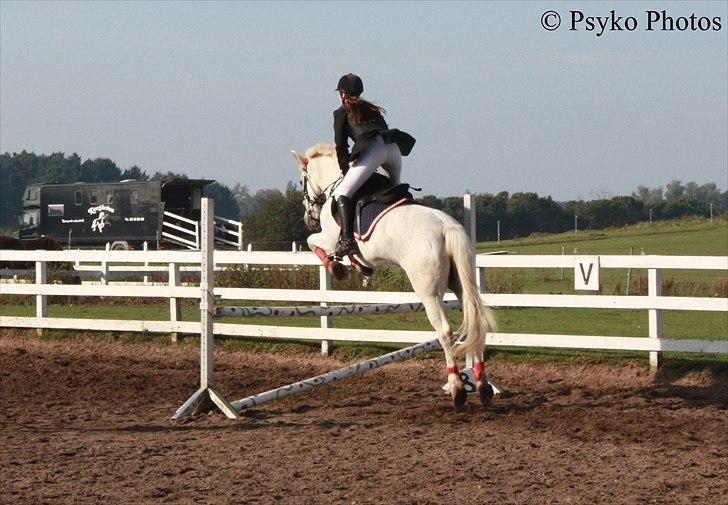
[
  {"x": 331, "y": 310},
  {"x": 207, "y": 392},
  {"x": 320, "y": 380}
]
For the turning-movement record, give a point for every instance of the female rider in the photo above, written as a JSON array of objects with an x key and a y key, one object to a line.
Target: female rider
[{"x": 375, "y": 145}]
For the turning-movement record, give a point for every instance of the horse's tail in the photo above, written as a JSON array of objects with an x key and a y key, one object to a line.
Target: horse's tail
[{"x": 477, "y": 318}]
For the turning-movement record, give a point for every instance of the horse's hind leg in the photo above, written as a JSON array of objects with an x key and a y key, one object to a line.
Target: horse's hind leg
[
  {"x": 485, "y": 390},
  {"x": 425, "y": 284}
]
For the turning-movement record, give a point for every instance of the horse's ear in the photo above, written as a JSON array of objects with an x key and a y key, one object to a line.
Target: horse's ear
[{"x": 299, "y": 160}]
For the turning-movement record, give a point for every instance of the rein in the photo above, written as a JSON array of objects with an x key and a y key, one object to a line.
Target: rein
[{"x": 319, "y": 199}]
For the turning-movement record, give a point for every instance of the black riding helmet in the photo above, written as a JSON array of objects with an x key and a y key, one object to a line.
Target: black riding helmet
[{"x": 351, "y": 84}]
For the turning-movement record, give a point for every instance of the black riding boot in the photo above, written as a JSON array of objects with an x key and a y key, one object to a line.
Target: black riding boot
[{"x": 347, "y": 243}]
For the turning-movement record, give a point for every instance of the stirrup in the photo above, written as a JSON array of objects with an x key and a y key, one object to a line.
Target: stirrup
[{"x": 345, "y": 247}]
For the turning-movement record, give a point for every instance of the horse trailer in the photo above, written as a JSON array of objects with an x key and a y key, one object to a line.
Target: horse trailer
[{"x": 126, "y": 214}]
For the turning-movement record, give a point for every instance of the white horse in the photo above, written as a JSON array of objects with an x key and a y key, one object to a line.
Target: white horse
[{"x": 429, "y": 245}]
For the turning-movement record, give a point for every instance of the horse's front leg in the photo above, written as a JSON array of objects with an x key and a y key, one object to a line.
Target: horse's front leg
[{"x": 321, "y": 243}]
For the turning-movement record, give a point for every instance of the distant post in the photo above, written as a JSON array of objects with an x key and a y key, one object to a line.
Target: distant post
[
  {"x": 175, "y": 304},
  {"x": 41, "y": 301},
  {"x": 654, "y": 289},
  {"x": 325, "y": 284},
  {"x": 576, "y": 225},
  {"x": 469, "y": 217}
]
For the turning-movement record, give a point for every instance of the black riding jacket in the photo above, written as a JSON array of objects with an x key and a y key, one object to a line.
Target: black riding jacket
[{"x": 363, "y": 135}]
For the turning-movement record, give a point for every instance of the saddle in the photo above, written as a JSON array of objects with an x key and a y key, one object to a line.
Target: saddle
[{"x": 373, "y": 199}]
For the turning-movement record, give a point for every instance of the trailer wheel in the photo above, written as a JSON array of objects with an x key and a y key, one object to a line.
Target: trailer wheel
[{"x": 120, "y": 246}]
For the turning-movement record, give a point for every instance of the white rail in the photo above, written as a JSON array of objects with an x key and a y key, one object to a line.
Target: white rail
[
  {"x": 654, "y": 303},
  {"x": 194, "y": 231},
  {"x": 229, "y": 232},
  {"x": 180, "y": 218}
]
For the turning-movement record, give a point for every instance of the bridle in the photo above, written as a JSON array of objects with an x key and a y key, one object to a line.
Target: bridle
[{"x": 318, "y": 200}]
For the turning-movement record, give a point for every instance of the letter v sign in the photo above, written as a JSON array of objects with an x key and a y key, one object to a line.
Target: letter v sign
[{"x": 586, "y": 273}]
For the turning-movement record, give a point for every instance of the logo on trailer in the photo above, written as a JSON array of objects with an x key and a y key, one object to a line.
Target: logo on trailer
[{"x": 102, "y": 220}]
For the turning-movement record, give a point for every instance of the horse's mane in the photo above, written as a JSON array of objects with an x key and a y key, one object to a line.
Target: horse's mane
[{"x": 320, "y": 150}]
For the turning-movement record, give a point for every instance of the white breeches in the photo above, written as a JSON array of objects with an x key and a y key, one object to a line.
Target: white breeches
[{"x": 376, "y": 155}]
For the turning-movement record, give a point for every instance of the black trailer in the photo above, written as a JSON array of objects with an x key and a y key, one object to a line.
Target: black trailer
[{"x": 124, "y": 214}]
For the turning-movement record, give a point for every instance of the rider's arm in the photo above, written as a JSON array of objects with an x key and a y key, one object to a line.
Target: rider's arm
[{"x": 341, "y": 138}]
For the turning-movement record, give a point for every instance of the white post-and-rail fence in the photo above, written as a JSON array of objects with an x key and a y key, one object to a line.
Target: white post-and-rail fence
[
  {"x": 175, "y": 261},
  {"x": 209, "y": 295}
]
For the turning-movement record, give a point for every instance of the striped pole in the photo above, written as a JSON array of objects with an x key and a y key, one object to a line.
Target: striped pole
[
  {"x": 335, "y": 310},
  {"x": 319, "y": 380}
]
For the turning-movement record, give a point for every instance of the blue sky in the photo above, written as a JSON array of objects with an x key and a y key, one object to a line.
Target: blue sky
[{"x": 496, "y": 102}]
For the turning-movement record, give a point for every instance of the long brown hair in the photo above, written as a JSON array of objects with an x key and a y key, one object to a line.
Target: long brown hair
[{"x": 361, "y": 110}]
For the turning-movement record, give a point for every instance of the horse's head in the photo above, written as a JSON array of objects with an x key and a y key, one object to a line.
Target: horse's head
[{"x": 318, "y": 174}]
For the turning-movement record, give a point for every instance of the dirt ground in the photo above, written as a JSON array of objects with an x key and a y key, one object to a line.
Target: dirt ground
[{"x": 89, "y": 422}]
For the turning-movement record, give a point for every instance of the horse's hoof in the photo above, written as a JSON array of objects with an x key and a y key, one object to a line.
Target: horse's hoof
[
  {"x": 485, "y": 392},
  {"x": 337, "y": 270},
  {"x": 460, "y": 398}
]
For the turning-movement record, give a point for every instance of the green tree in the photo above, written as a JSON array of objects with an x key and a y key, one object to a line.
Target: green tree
[
  {"x": 135, "y": 173},
  {"x": 278, "y": 221},
  {"x": 430, "y": 201},
  {"x": 225, "y": 204},
  {"x": 167, "y": 176},
  {"x": 246, "y": 204},
  {"x": 99, "y": 170},
  {"x": 674, "y": 190}
]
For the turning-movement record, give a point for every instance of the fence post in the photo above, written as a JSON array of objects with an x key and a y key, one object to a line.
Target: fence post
[
  {"x": 629, "y": 272},
  {"x": 654, "y": 289},
  {"x": 105, "y": 267},
  {"x": 469, "y": 218},
  {"x": 41, "y": 301},
  {"x": 175, "y": 304},
  {"x": 145, "y": 248},
  {"x": 481, "y": 278},
  {"x": 325, "y": 284},
  {"x": 469, "y": 222}
]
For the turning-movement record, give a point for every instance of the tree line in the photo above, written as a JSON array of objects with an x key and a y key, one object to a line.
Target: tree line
[
  {"x": 521, "y": 214},
  {"x": 17, "y": 170},
  {"x": 272, "y": 219}
]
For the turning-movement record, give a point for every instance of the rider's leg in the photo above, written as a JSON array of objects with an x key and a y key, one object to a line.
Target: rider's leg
[
  {"x": 364, "y": 166},
  {"x": 393, "y": 164},
  {"x": 347, "y": 244},
  {"x": 357, "y": 175}
]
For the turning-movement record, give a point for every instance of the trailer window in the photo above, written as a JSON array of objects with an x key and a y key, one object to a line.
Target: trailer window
[
  {"x": 109, "y": 196},
  {"x": 32, "y": 194},
  {"x": 93, "y": 197},
  {"x": 30, "y": 218},
  {"x": 79, "y": 197},
  {"x": 55, "y": 210}
]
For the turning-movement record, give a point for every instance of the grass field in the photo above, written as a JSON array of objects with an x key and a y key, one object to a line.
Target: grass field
[
  {"x": 688, "y": 237},
  {"x": 685, "y": 237}
]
